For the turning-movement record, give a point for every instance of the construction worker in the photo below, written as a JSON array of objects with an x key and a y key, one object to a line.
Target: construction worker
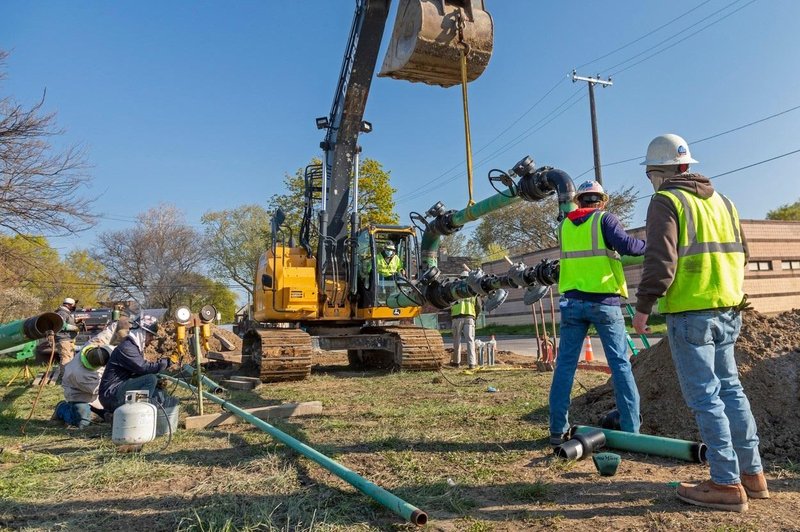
[
  {"x": 388, "y": 263},
  {"x": 127, "y": 368},
  {"x": 464, "y": 312},
  {"x": 694, "y": 266},
  {"x": 65, "y": 338},
  {"x": 81, "y": 386},
  {"x": 592, "y": 284}
]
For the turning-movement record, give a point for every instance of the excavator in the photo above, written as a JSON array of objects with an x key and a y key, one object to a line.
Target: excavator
[{"x": 324, "y": 287}]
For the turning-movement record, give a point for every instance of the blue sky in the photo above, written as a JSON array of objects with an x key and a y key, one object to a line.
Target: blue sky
[{"x": 207, "y": 104}]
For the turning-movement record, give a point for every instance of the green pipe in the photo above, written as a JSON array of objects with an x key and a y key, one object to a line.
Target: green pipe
[
  {"x": 399, "y": 300},
  {"x": 484, "y": 207},
  {"x": 649, "y": 444},
  {"x": 212, "y": 386},
  {"x": 20, "y": 332},
  {"x": 389, "y": 500}
]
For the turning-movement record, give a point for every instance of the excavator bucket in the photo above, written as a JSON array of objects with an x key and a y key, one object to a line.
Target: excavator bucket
[{"x": 429, "y": 36}]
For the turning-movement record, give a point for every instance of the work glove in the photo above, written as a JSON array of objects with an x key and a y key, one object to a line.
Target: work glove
[{"x": 163, "y": 364}]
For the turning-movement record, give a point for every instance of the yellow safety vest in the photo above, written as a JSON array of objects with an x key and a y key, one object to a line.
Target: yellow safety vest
[
  {"x": 464, "y": 307},
  {"x": 710, "y": 270},
  {"x": 587, "y": 264},
  {"x": 387, "y": 269}
]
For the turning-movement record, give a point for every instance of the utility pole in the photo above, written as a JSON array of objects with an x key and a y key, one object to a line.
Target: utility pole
[{"x": 595, "y": 141}]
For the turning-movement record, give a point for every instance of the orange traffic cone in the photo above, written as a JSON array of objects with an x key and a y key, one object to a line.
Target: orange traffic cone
[{"x": 588, "y": 355}]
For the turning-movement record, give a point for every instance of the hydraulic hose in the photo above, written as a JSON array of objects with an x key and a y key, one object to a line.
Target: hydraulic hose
[{"x": 394, "y": 503}]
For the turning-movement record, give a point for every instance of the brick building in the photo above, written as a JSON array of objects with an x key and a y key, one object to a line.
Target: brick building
[{"x": 772, "y": 279}]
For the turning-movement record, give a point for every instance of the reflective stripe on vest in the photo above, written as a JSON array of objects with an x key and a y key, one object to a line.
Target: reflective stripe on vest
[
  {"x": 587, "y": 264},
  {"x": 710, "y": 270},
  {"x": 464, "y": 307}
]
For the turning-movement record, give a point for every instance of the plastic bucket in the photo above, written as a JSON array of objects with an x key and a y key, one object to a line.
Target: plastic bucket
[{"x": 164, "y": 422}]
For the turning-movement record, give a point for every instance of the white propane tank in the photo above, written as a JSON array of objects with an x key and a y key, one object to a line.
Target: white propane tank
[{"x": 134, "y": 421}]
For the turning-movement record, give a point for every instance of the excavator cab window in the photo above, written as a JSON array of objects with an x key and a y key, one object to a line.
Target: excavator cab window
[{"x": 382, "y": 257}]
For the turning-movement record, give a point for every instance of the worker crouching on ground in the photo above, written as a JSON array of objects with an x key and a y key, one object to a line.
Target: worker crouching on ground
[
  {"x": 464, "y": 312},
  {"x": 592, "y": 284},
  {"x": 81, "y": 382},
  {"x": 127, "y": 368},
  {"x": 694, "y": 267}
]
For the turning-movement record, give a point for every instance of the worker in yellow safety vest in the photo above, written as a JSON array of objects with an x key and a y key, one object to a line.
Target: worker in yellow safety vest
[
  {"x": 592, "y": 286},
  {"x": 464, "y": 312},
  {"x": 694, "y": 267},
  {"x": 388, "y": 263}
]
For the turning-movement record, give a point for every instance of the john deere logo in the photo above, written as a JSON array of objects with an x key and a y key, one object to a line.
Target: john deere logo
[{"x": 396, "y": 312}]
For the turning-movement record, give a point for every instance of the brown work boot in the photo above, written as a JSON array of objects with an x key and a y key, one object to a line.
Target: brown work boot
[
  {"x": 730, "y": 497},
  {"x": 755, "y": 486}
]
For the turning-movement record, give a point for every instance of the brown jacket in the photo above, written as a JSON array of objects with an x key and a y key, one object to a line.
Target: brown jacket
[{"x": 661, "y": 255}]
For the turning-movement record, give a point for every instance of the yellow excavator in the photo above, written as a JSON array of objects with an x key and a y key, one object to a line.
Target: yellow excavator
[{"x": 327, "y": 286}]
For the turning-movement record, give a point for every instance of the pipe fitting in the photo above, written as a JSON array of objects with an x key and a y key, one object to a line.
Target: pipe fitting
[{"x": 581, "y": 445}]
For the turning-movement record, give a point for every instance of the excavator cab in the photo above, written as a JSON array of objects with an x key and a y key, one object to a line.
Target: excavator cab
[
  {"x": 430, "y": 36},
  {"x": 388, "y": 256}
]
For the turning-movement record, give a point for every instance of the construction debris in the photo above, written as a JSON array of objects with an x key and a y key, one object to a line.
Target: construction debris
[{"x": 768, "y": 357}]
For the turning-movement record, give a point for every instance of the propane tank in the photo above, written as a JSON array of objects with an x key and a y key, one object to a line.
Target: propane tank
[{"x": 134, "y": 421}]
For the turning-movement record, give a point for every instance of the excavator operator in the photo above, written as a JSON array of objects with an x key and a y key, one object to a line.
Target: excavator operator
[{"x": 388, "y": 262}]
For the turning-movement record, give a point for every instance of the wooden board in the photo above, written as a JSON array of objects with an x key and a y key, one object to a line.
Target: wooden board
[
  {"x": 226, "y": 344},
  {"x": 287, "y": 410},
  {"x": 232, "y": 356}
]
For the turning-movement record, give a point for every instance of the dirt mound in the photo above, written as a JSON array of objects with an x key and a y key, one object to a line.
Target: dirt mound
[{"x": 768, "y": 356}]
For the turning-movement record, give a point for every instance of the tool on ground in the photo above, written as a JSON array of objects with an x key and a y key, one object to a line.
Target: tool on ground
[
  {"x": 392, "y": 502},
  {"x": 581, "y": 445},
  {"x": 648, "y": 444},
  {"x": 606, "y": 463}
]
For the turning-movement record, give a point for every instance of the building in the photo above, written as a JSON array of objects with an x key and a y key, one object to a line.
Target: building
[{"x": 772, "y": 279}]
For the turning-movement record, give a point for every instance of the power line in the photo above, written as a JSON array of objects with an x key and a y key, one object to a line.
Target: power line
[
  {"x": 684, "y": 39},
  {"x": 716, "y": 135},
  {"x": 651, "y": 32}
]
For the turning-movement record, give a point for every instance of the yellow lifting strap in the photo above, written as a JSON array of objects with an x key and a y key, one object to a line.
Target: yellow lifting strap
[{"x": 465, "y": 102}]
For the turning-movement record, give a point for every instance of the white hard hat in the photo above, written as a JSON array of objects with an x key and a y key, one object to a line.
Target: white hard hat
[
  {"x": 146, "y": 322},
  {"x": 591, "y": 187},
  {"x": 465, "y": 273},
  {"x": 666, "y": 150},
  {"x": 68, "y": 301}
]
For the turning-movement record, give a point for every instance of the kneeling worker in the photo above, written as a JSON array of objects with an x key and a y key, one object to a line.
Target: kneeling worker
[
  {"x": 81, "y": 382},
  {"x": 127, "y": 368}
]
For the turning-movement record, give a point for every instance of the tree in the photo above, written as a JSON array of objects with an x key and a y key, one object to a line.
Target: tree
[
  {"x": 235, "y": 240},
  {"x": 527, "y": 226},
  {"x": 39, "y": 186},
  {"x": 375, "y": 202},
  {"x": 785, "y": 212},
  {"x": 151, "y": 261},
  {"x": 198, "y": 291},
  {"x": 32, "y": 265}
]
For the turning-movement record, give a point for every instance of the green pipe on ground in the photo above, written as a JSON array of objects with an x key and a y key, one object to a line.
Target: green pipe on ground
[
  {"x": 20, "y": 332},
  {"x": 389, "y": 500},
  {"x": 649, "y": 444}
]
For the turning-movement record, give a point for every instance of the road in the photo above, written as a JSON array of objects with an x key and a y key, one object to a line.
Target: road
[{"x": 526, "y": 345}]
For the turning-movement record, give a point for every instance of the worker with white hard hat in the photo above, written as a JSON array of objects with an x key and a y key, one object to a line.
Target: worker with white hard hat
[
  {"x": 592, "y": 286},
  {"x": 464, "y": 312},
  {"x": 694, "y": 268}
]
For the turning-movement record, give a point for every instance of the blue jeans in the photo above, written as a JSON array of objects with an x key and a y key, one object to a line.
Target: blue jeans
[
  {"x": 702, "y": 350},
  {"x": 143, "y": 382},
  {"x": 576, "y": 316},
  {"x": 76, "y": 413}
]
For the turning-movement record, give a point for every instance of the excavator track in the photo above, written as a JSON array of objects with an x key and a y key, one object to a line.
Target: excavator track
[
  {"x": 281, "y": 354},
  {"x": 416, "y": 348}
]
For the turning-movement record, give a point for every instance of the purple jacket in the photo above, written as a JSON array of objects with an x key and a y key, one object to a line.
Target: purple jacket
[{"x": 126, "y": 362}]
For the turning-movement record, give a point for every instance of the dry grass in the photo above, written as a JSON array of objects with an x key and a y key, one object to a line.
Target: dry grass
[{"x": 473, "y": 460}]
